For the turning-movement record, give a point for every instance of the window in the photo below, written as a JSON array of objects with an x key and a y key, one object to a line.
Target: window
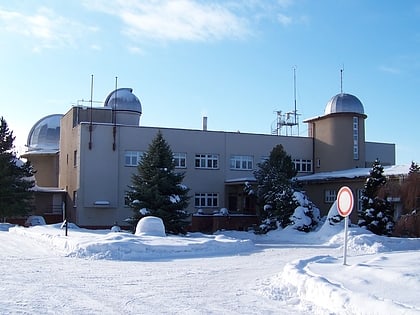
[
  {"x": 359, "y": 199},
  {"x": 355, "y": 138},
  {"x": 180, "y": 160},
  {"x": 74, "y": 198},
  {"x": 132, "y": 158},
  {"x": 75, "y": 158},
  {"x": 207, "y": 161},
  {"x": 330, "y": 196},
  {"x": 206, "y": 200},
  {"x": 303, "y": 166},
  {"x": 241, "y": 162}
]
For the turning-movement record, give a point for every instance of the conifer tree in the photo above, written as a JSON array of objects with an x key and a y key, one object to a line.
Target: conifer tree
[
  {"x": 157, "y": 189},
  {"x": 15, "y": 178},
  {"x": 275, "y": 189},
  {"x": 376, "y": 214}
]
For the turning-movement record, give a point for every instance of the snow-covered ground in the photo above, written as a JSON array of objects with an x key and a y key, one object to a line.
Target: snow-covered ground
[{"x": 283, "y": 272}]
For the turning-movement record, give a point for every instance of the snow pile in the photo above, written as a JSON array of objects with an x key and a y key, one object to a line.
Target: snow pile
[
  {"x": 150, "y": 226},
  {"x": 382, "y": 274},
  {"x": 105, "y": 244}
]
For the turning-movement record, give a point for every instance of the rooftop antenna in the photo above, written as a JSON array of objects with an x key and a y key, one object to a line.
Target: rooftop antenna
[
  {"x": 341, "y": 79},
  {"x": 91, "y": 107},
  {"x": 114, "y": 118},
  {"x": 294, "y": 90},
  {"x": 288, "y": 119}
]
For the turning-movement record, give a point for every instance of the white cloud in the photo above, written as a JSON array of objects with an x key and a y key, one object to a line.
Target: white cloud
[
  {"x": 388, "y": 69},
  {"x": 175, "y": 20},
  {"x": 284, "y": 19},
  {"x": 46, "y": 28}
]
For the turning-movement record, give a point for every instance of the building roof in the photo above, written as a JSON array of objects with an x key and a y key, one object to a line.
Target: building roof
[
  {"x": 123, "y": 99},
  {"x": 344, "y": 103},
  {"x": 45, "y": 134},
  {"x": 393, "y": 170}
]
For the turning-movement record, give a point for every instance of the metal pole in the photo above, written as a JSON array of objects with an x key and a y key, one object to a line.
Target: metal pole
[{"x": 346, "y": 224}]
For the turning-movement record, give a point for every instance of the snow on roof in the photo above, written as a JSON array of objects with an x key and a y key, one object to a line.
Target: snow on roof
[
  {"x": 37, "y": 188},
  {"x": 392, "y": 170}
]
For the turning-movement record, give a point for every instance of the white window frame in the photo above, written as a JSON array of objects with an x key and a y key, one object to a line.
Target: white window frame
[
  {"x": 180, "y": 159},
  {"x": 132, "y": 158},
  {"x": 207, "y": 200},
  {"x": 242, "y": 162},
  {"x": 206, "y": 161},
  {"x": 355, "y": 138},
  {"x": 330, "y": 195},
  {"x": 303, "y": 165}
]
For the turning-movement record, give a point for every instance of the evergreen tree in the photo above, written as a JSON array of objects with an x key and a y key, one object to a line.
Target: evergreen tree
[
  {"x": 157, "y": 189},
  {"x": 275, "y": 189},
  {"x": 15, "y": 178},
  {"x": 376, "y": 214}
]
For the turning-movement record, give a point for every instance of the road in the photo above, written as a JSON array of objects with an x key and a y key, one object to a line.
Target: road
[{"x": 37, "y": 280}]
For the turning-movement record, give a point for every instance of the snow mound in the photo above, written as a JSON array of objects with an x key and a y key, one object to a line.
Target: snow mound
[{"x": 151, "y": 226}]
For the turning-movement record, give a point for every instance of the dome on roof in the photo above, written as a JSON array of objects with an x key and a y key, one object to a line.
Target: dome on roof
[
  {"x": 344, "y": 103},
  {"x": 123, "y": 99},
  {"x": 45, "y": 134}
]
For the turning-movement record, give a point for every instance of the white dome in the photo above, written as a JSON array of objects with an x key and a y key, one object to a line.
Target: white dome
[
  {"x": 45, "y": 134},
  {"x": 344, "y": 103}
]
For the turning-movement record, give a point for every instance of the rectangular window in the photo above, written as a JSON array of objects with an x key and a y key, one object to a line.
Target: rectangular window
[
  {"x": 132, "y": 158},
  {"x": 302, "y": 165},
  {"x": 355, "y": 138},
  {"x": 75, "y": 198},
  {"x": 359, "y": 199},
  {"x": 330, "y": 196},
  {"x": 75, "y": 158},
  {"x": 180, "y": 160},
  {"x": 206, "y": 200},
  {"x": 241, "y": 162},
  {"x": 207, "y": 161}
]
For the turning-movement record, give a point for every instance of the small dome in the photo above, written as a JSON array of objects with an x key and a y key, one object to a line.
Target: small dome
[
  {"x": 344, "y": 103},
  {"x": 123, "y": 99},
  {"x": 45, "y": 134}
]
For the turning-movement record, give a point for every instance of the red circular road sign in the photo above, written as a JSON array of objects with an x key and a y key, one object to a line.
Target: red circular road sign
[{"x": 345, "y": 201}]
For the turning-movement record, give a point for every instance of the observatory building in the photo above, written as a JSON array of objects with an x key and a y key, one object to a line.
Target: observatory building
[{"x": 92, "y": 153}]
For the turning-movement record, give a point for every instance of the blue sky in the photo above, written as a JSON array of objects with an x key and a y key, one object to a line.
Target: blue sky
[{"x": 229, "y": 60}]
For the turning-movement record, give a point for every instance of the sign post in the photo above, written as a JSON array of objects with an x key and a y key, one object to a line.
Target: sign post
[{"x": 345, "y": 203}]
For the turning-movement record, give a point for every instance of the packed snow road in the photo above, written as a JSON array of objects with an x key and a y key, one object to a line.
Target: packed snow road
[{"x": 38, "y": 280}]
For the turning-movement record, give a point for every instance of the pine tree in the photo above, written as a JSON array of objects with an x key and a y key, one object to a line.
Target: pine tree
[
  {"x": 157, "y": 189},
  {"x": 15, "y": 178},
  {"x": 376, "y": 213},
  {"x": 275, "y": 189}
]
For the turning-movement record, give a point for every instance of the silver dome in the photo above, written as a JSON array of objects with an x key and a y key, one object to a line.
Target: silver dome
[
  {"x": 123, "y": 99},
  {"x": 45, "y": 134},
  {"x": 344, "y": 103}
]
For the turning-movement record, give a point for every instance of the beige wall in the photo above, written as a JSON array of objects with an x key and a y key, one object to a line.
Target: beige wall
[
  {"x": 333, "y": 142},
  {"x": 101, "y": 176},
  {"x": 46, "y": 167}
]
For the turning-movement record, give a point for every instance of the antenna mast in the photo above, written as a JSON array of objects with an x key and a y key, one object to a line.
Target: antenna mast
[
  {"x": 294, "y": 91},
  {"x": 341, "y": 79},
  {"x": 91, "y": 109},
  {"x": 288, "y": 119},
  {"x": 114, "y": 115}
]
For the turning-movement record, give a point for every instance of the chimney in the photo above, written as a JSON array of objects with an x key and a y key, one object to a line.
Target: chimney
[{"x": 204, "y": 123}]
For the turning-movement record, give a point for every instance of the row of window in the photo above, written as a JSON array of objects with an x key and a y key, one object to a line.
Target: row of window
[
  {"x": 330, "y": 195},
  {"x": 211, "y": 161},
  {"x": 208, "y": 200}
]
